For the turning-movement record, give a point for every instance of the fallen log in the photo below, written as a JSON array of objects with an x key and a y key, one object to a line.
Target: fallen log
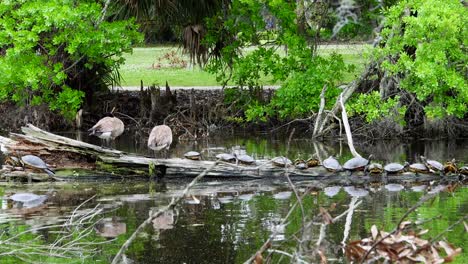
[{"x": 73, "y": 159}]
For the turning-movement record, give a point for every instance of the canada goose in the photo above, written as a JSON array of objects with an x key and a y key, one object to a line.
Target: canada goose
[
  {"x": 107, "y": 128},
  {"x": 160, "y": 138}
]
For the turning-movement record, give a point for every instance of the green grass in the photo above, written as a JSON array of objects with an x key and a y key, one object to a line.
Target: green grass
[{"x": 151, "y": 66}]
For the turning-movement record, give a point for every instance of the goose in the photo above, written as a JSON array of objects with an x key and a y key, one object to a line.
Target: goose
[
  {"x": 108, "y": 128},
  {"x": 160, "y": 138}
]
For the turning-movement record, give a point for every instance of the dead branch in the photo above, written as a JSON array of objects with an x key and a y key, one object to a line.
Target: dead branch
[
  {"x": 349, "y": 135},
  {"x": 349, "y": 219},
  {"x": 319, "y": 118},
  {"x": 173, "y": 203}
]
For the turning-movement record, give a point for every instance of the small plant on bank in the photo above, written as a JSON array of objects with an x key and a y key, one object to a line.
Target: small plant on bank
[{"x": 56, "y": 52}]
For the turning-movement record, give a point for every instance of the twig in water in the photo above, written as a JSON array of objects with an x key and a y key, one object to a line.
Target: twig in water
[{"x": 174, "y": 202}]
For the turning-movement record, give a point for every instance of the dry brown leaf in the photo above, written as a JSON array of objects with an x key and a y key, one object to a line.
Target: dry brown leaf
[
  {"x": 323, "y": 258},
  {"x": 404, "y": 253},
  {"x": 383, "y": 233},
  {"x": 332, "y": 207},
  {"x": 418, "y": 258},
  {"x": 404, "y": 224},
  {"x": 374, "y": 231},
  {"x": 466, "y": 226},
  {"x": 449, "y": 250},
  {"x": 422, "y": 232},
  {"x": 258, "y": 258},
  {"x": 326, "y": 217}
]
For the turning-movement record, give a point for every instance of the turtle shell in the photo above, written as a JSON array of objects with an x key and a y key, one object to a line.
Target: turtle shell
[
  {"x": 450, "y": 166},
  {"x": 281, "y": 161},
  {"x": 300, "y": 164},
  {"x": 246, "y": 159},
  {"x": 418, "y": 168},
  {"x": 226, "y": 157},
  {"x": 433, "y": 164},
  {"x": 331, "y": 164},
  {"x": 375, "y": 168},
  {"x": 34, "y": 162},
  {"x": 463, "y": 170},
  {"x": 357, "y": 163},
  {"x": 313, "y": 162},
  {"x": 28, "y": 200},
  {"x": 193, "y": 155},
  {"x": 13, "y": 161},
  {"x": 394, "y": 167}
]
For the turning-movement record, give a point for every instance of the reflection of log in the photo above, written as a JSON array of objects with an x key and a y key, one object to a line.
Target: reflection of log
[{"x": 71, "y": 158}]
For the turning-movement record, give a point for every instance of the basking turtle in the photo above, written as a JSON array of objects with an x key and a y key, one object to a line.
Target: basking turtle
[
  {"x": 192, "y": 155},
  {"x": 433, "y": 165},
  {"x": 357, "y": 163},
  {"x": 450, "y": 166},
  {"x": 28, "y": 200},
  {"x": 375, "y": 168},
  {"x": 226, "y": 157},
  {"x": 300, "y": 164},
  {"x": 418, "y": 168},
  {"x": 395, "y": 167},
  {"x": 281, "y": 162},
  {"x": 313, "y": 162},
  {"x": 245, "y": 159},
  {"x": 463, "y": 170},
  {"x": 331, "y": 164},
  {"x": 13, "y": 161},
  {"x": 34, "y": 162}
]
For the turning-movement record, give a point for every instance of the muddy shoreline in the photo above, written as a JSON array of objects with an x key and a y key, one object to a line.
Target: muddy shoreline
[{"x": 195, "y": 114}]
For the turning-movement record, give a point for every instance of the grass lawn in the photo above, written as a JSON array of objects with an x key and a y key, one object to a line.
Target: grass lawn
[{"x": 156, "y": 65}]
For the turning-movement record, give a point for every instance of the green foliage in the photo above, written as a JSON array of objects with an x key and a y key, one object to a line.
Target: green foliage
[
  {"x": 374, "y": 108},
  {"x": 302, "y": 72},
  {"x": 55, "y": 51},
  {"x": 425, "y": 44}
]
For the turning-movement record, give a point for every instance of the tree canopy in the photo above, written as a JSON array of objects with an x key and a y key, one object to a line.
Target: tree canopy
[{"x": 56, "y": 51}]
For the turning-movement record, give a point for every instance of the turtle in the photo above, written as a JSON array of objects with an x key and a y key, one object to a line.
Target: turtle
[
  {"x": 463, "y": 170},
  {"x": 35, "y": 162},
  {"x": 226, "y": 157},
  {"x": 281, "y": 161},
  {"x": 28, "y": 200},
  {"x": 433, "y": 165},
  {"x": 300, "y": 164},
  {"x": 245, "y": 159},
  {"x": 395, "y": 167},
  {"x": 450, "y": 166},
  {"x": 357, "y": 163},
  {"x": 313, "y": 162},
  {"x": 375, "y": 168},
  {"x": 193, "y": 155},
  {"x": 331, "y": 164},
  {"x": 13, "y": 161},
  {"x": 418, "y": 168}
]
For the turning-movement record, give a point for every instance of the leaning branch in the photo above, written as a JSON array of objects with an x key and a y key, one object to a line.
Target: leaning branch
[
  {"x": 349, "y": 136},
  {"x": 174, "y": 202}
]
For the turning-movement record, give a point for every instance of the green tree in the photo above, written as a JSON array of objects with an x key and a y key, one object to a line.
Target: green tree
[
  {"x": 272, "y": 26},
  {"x": 55, "y": 51},
  {"x": 424, "y": 46}
]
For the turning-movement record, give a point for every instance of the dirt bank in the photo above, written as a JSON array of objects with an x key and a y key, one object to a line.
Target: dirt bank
[{"x": 195, "y": 113}]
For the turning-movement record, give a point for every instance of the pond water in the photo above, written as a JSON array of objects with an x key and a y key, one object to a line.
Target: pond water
[{"x": 228, "y": 221}]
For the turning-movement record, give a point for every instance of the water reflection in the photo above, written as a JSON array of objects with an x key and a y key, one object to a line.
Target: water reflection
[
  {"x": 226, "y": 226},
  {"x": 227, "y": 221}
]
